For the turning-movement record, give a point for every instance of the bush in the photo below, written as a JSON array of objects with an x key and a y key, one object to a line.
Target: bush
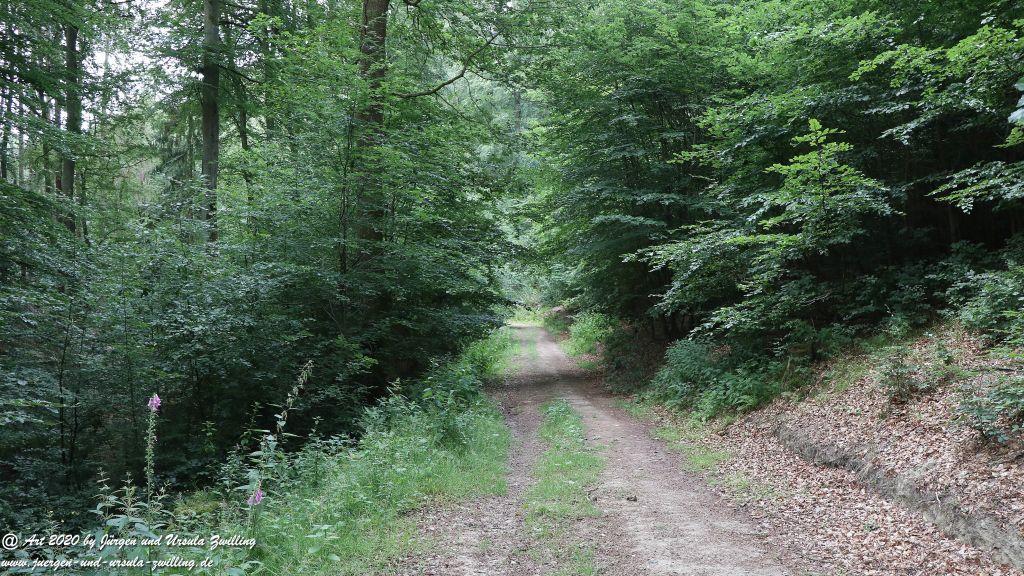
[
  {"x": 489, "y": 357},
  {"x": 692, "y": 378},
  {"x": 630, "y": 359},
  {"x": 738, "y": 391},
  {"x": 999, "y": 413},
  {"x": 995, "y": 309},
  {"x": 587, "y": 331},
  {"x": 687, "y": 372},
  {"x": 897, "y": 376}
]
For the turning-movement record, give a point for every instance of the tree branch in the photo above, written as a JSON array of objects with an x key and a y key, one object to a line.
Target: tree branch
[
  {"x": 239, "y": 73},
  {"x": 462, "y": 73}
]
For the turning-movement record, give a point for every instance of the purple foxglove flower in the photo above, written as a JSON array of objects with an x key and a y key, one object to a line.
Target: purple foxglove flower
[
  {"x": 154, "y": 403},
  {"x": 256, "y": 497}
]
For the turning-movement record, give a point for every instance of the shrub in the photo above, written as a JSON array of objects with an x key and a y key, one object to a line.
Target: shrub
[
  {"x": 630, "y": 359},
  {"x": 991, "y": 301},
  {"x": 687, "y": 372},
  {"x": 489, "y": 357},
  {"x": 999, "y": 413},
  {"x": 738, "y": 391},
  {"x": 995, "y": 308},
  {"x": 898, "y": 377},
  {"x": 556, "y": 320},
  {"x": 692, "y": 378},
  {"x": 587, "y": 331},
  {"x": 943, "y": 368}
]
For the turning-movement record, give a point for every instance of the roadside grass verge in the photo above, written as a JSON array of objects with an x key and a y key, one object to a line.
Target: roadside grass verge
[
  {"x": 338, "y": 506},
  {"x": 342, "y": 509},
  {"x": 683, "y": 437},
  {"x": 342, "y": 512},
  {"x": 491, "y": 357},
  {"x": 687, "y": 435},
  {"x": 559, "y": 497},
  {"x": 637, "y": 407}
]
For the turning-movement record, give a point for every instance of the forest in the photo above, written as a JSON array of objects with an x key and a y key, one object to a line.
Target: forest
[{"x": 245, "y": 239}]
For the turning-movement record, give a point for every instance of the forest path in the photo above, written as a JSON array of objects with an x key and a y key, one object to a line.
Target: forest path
[{"x": 655, "y": 518}]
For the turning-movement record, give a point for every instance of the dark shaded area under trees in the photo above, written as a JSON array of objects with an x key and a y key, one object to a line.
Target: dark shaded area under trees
[{"x": 200, "y": 197}]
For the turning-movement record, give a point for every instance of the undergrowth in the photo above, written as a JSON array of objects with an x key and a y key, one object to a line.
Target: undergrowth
[
  {"x": 998, "y": 412},
  {"x": 586, "y": 333},
  {"x": 337, "y": 505}
]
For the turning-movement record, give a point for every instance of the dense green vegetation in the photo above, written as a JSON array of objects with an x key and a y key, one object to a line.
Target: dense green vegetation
[
  {"x": 205, "y": 236},
  {"x": 335, "y": 506},
  {"x": 774, "y": 181},
  {"x": 200, "y": 198}
]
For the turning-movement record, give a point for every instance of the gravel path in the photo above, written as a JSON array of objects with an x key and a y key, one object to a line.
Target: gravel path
[{"x": 656, "y": 519}]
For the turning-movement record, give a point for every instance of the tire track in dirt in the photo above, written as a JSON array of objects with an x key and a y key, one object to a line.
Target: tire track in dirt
[
  {"x": 486, "y": 536},
  {"x": 656, "y": 519}
]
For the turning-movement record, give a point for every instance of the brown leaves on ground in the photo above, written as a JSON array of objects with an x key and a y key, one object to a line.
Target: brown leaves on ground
[{"x": 828, "y": 516}]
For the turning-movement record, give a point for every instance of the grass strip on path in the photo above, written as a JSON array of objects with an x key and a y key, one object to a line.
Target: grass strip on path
[{"x": 559, "y": 498}]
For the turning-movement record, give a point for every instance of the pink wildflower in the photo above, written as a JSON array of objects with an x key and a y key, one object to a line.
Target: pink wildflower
[
  {"x": 154, "y": 403},
  {"x": 256, "y": 497}
]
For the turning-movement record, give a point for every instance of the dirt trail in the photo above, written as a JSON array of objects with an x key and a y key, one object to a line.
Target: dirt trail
[{"x": 656, "y": 518}]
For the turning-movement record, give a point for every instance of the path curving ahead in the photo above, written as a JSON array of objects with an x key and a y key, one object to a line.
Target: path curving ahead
[{"x": 656, "y": 518}]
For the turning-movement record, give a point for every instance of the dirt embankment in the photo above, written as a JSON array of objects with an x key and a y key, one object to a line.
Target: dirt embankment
[{"x": 869, "y": 486}]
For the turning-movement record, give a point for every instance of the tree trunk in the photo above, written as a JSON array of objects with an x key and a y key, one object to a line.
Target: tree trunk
[
  {"x": 242, "y": 123},
  {"x": 209, "y": 95},
  {"x": 370, "y": 119},
  {"x": 267, "y": 54},
  {"x": 73, "y": 107},
  {"x": 372, "y": 40},
  {"x": 21, "y": 148},
  {"x": 5, "y": 140}
]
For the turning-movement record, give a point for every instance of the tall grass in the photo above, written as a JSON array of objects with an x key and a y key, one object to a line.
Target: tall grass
[
  {"x": 338, "y": 506},
  {"x": 342, "y": 511},
  {"x": 343, "y": 514}
]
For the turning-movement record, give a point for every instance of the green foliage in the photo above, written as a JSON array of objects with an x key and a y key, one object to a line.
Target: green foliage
[
  {"x": 629, "y": 359},
  {"x": 371, "y": 250},
  {"x": 899, "y": 378},
  {"x": 738, "y": 391},
  {"x": 822, "y": 201},
  {"x": 820, "y": 205},
  {"x": 996, "y": 308},
  {"x": 774, "y": 178},
  {"x": 998, "y": 413},
  {"x": 556, "y": 320},
  {"x": 488, "y": 358},
  {"x": 779, "y": 180},
  {"x": 336, "y": 506},
  {"x": 695, "y": 379},
  {"x": 688, "y": 370},
  {"x": 989, "y": 301},
  {"x": 586, "y": 333},
  {"x": 528, "y": 316}
]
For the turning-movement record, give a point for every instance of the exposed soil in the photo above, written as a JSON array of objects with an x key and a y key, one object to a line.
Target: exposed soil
[
  {"x": 864, "y": 486},
  {"x": 655, "y": 517}
]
